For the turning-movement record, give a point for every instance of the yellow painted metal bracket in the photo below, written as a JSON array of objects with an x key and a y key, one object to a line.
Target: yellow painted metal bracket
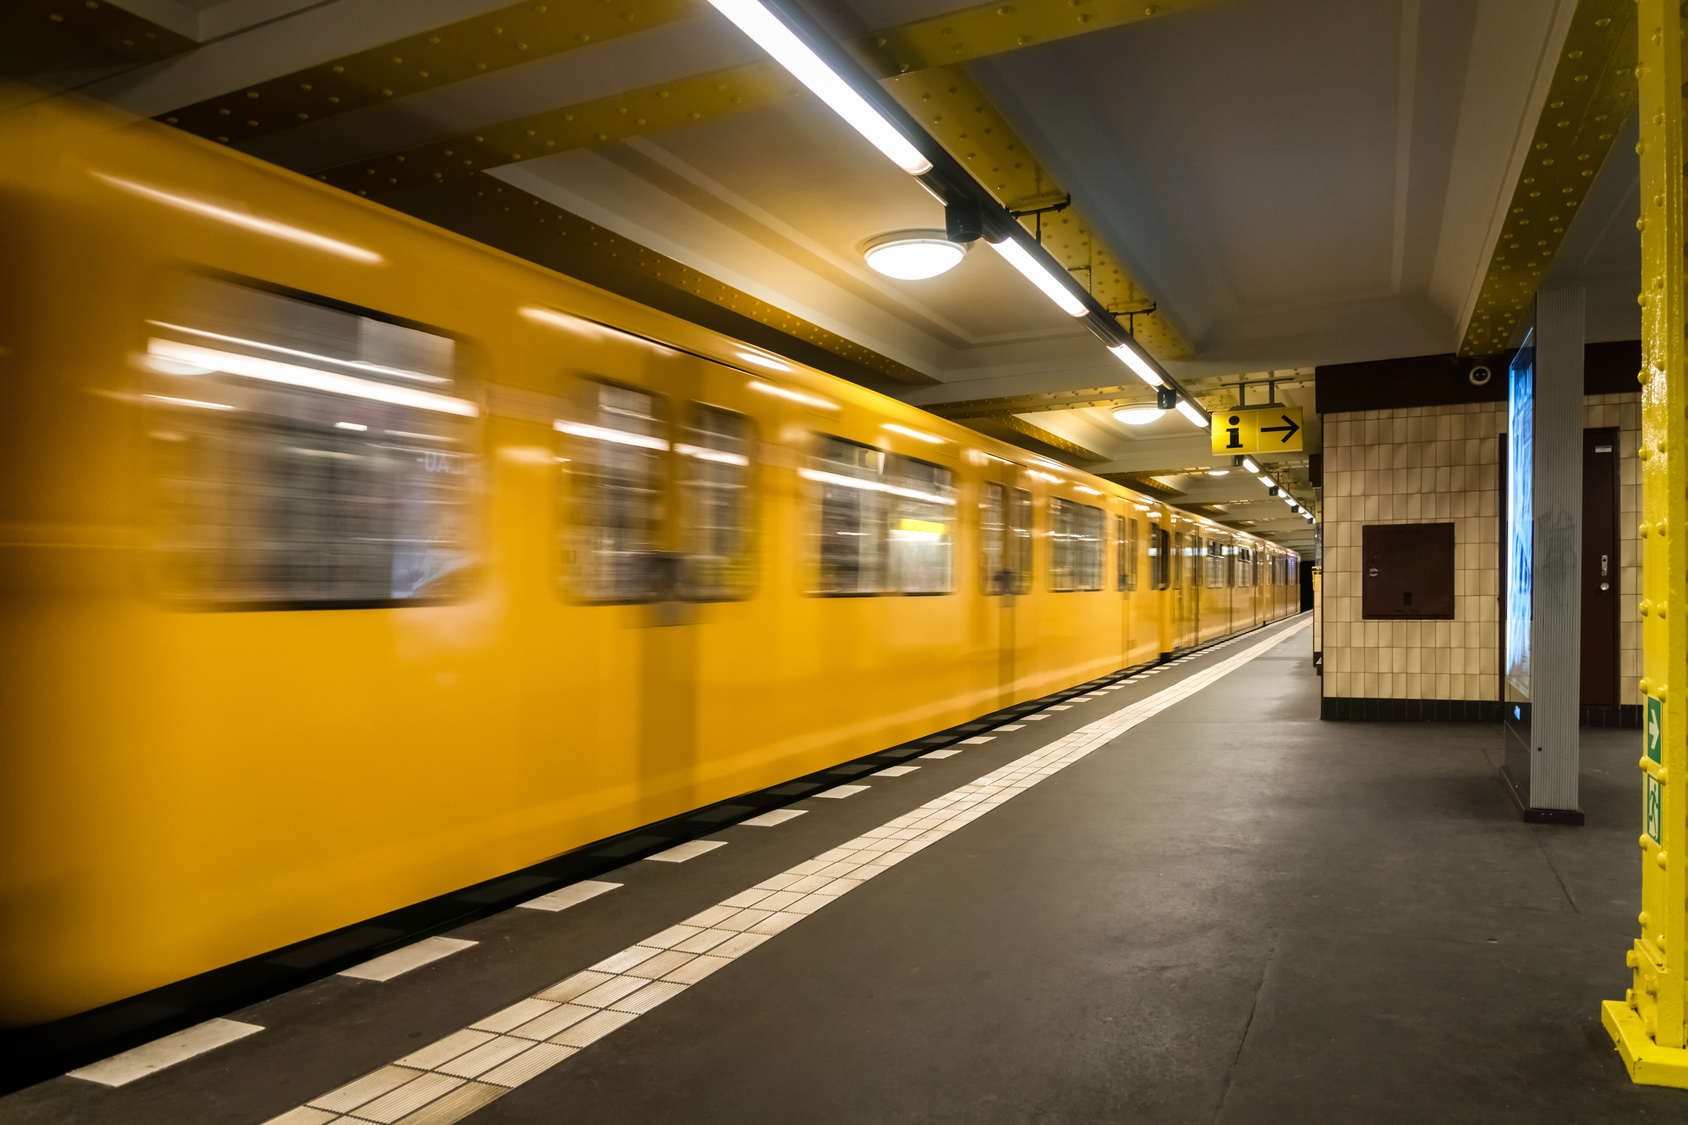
[
  {"x": 1593, "y": 87},
  {"x": 953, "y": 109},
  {"x": 1650, "y": 1025},
  {"x": 469, "y": 48}
]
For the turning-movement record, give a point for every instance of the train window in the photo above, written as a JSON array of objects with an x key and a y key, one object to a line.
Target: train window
[
  {"x": 715, "y": 516},
  {"x": 1176, "y": 558},
  {"x": 994, "y": 575},
  {"x": 1126, "y": 552},
  {"x": 305, "y": 454},
  {"x": 1215, "y": 565},
  {"x": 850, "y": 516},
  {"x": 615, "y": 463},
  {"x": 1160, "y": 557},
  {"x": 1020, "y": 539},
  {"x": 1076, "y": 538},
  {"x": 917, "y": 542}
]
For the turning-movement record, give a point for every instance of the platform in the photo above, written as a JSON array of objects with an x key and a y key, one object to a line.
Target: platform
[{"x": 1186, "y": 899}]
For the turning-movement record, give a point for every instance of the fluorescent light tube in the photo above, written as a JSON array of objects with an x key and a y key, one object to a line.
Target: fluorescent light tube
[
  {"x": 1188, "y": 410},
  {"x": 1020, "y": 258},
  {"x": 790, "y": 52},
  {"x": 1138, "y": 364},
  {"x": 1248, "y": 463}
]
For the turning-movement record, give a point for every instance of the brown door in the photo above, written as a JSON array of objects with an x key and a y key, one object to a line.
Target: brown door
[{"x": 1600, "y": 569}]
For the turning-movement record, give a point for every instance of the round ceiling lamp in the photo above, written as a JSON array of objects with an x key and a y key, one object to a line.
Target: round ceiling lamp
[
  {"x": 1219, "y": 472},
  {"x": 1138, "y": 415},
  {"x": 913, "y": 255}
]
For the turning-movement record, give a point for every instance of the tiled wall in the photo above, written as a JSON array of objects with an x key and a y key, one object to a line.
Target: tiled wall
[{"x": 1441, "y": 464}]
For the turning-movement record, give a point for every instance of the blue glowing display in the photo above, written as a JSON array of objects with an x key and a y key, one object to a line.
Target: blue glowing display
[{"x": 1520, "y": 526}]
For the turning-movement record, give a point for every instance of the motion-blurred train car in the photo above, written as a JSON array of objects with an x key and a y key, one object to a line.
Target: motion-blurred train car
[{"x": 346, "y": 562}]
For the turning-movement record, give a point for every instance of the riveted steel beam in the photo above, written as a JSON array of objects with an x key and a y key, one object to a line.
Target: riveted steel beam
[
  {"x": 483, "y": 44},
  {"x": 115, "y": 29},
  {"x": 1650, "y": 1025},
  {"x": 636, "y": 113},
  {"x": 991, "y": 29},
  {"x": 1592, "y": 88}
]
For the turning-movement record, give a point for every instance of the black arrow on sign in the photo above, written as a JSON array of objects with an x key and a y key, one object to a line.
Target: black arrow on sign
[{"x": 1292, "y": 428}]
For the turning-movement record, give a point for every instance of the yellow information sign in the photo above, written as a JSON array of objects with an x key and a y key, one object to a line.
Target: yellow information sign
[{"x": 1257, "y": 429}]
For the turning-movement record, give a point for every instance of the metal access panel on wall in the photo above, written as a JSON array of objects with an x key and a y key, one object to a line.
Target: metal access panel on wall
[{"x": 1408, "y": 571}]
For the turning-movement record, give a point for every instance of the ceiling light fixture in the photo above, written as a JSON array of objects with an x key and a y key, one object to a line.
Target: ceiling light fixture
[
  {"x": 1033, "y": 271},
  {"x": 1139, "y": 415},
  {"x": 774, "y": 37},
  {"x": 1248, "y": 463},
  {"x": 1140, "y": 366},
  {"x": 1192, "y": 412},
  {"x": 1219, "y": 472},
  {"x": 913, "y": 255}
]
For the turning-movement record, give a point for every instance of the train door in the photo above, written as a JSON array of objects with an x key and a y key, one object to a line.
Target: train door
[
  {"x": 1005, "y": 572},
  {"x": 657, "y": 554},
  {"x": 1005, "y": 525}
]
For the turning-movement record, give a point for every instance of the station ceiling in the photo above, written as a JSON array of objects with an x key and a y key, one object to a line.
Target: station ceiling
[{"x": 1267, "y": 185}]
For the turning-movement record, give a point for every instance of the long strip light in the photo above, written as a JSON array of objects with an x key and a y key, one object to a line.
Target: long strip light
[
  {"x": 247, "y": 222},
  {"x": 1128, "y": 355},
  {"x": 292, "y": 374},
  {"x": 1188, "y": 410},
  {"x": 771, "y": 34},
  {"x": 1248, "y": 463},
  {"x": 1034, "y": 272}
]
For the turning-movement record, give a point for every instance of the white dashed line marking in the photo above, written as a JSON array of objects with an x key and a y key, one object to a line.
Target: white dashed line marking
[
  {"x": 571, "y": 895},
  {"x": 691, "y": 849},
  {"x": 839, "y": 792},
  {"x": 149, "y": 1058},
  {"x": 778, "y": 816},
  {"x": 414, "y": 956}
]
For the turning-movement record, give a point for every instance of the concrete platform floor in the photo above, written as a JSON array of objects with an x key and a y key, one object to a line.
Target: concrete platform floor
[{"x": 1232, "y": 912}]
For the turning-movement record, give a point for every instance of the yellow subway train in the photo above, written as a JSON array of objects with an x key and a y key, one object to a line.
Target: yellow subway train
[{"x": 347, "y": 562}]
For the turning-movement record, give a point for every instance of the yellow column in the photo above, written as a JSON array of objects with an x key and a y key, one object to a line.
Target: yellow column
[{"x": 1648, "y": 1024}]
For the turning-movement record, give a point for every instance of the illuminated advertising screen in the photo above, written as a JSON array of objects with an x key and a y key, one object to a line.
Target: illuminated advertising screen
[{"x": 1520, "y": 543}]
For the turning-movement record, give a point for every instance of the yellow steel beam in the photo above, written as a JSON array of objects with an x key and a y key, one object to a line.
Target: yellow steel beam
[
  {"x": 1593, "y": 87},
  {"x": 505, "y": 37},
  {"x": 635, "y": 113},
  {"x": 994, "y": 28},
  {"x": 1650, "y": 1025},
  {"x": 953, "y": 110}
]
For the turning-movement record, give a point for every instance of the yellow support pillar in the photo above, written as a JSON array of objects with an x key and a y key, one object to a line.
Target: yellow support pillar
[{"x": 1648, "y": 1024}]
